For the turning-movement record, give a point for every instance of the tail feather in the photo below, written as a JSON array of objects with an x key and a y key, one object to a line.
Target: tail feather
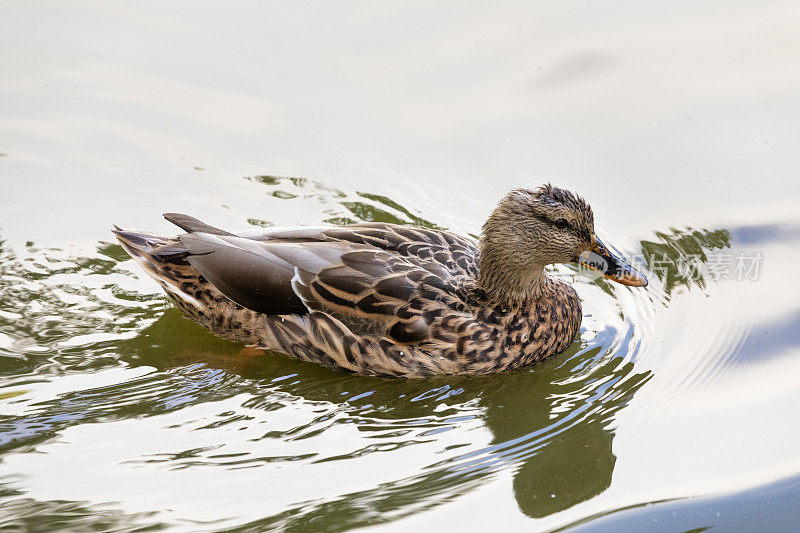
[
  {"x": 163, "y": 259},
  {"x": 191, "y": 224},
  {"x": 150, "y": 249},
  {"x": 140, "y": 241}
]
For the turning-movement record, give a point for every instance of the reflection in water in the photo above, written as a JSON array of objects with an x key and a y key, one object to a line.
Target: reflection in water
[
  {"x": 18, "y": 513},
  {"x": 675, "y": 256},
  {"x": 567, "y": 459},
  {"x": 551, "y": 425},
  {"x": 340, "y": 207},
  {"x": 772, "y": 507},
  {"x": 762, "y": 234}
]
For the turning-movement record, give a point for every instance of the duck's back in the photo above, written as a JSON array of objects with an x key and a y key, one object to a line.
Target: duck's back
[
  {"x": 377, "y": 299},
  {"x": 378, "y": 282}
]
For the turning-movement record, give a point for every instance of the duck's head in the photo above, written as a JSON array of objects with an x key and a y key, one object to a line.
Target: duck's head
[{"x": 532, "y": 228}]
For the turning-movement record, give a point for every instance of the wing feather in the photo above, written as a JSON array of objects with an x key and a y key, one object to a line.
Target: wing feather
[{"x": 374, "y": 278}]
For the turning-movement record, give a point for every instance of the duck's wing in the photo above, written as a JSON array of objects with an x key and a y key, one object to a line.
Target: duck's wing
[
  {"x": 454, "y": 252},
  {"x": 391, "y": 285}
]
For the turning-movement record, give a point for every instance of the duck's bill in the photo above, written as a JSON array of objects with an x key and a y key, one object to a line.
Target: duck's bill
[{"x": 611, "y": 266}]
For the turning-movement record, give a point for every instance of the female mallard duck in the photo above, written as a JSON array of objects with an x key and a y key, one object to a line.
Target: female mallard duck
[{"x": 388, "y": 300}]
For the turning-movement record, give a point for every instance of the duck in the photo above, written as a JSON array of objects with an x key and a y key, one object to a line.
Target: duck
[{"x": 391, "y": 300}]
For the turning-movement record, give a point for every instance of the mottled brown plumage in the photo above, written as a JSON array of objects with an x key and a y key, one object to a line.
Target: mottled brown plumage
[{"x": 384, "y": 299}]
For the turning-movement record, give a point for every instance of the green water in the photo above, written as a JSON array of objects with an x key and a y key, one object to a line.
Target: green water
[{"x": 676, "y": 408}]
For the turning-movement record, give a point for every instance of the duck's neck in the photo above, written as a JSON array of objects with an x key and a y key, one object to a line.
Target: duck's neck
[{"x": 513, "y": 287}]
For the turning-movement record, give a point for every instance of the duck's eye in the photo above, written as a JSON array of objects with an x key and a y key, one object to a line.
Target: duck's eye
[{"x": 562, "y": 223}]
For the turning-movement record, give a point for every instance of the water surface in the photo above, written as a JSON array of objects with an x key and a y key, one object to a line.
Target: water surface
[{"x": 676, "y": 122}]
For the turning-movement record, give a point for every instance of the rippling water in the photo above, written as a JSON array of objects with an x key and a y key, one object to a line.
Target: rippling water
[
  {"x": 105, "y": 382},
  {"x": 675, "y": 403}
]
